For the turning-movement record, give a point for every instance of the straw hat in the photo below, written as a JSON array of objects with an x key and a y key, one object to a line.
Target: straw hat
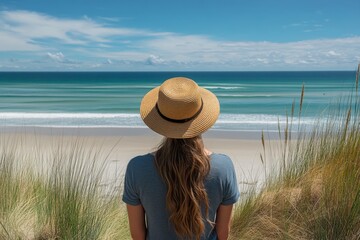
[{"x": 179, "y": 108}]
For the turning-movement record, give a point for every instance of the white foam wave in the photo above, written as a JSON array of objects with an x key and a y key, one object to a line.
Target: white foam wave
[
  {"x": 225, "y": 121},
  {"x": 258, "y": 118},
  {"x": 243, "y": 95},
  {"x": 21, "y": 115},
  {"x": 222, "y": 87}
]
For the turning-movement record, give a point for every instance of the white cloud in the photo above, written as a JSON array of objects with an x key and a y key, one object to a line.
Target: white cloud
[
  {"x": 332, "y": 53},
  {"x": 306, "y": 26},
  {"x": 57, "y": 57},
  {"x": 85, "y": 38},
  {"x": 110, "y": 19},
  {"x": 12, "y": 42},
  {"x": 199, "y": 52},
  {"x": 28, "y": 27},
  {"x": 96, "y": 65},
  {"x": 122, "y": 55},
  {"x": 206, "y": 50},
  {"x": 154, "y": 60}
]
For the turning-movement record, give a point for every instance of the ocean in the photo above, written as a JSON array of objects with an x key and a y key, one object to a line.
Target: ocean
[{"x": 249, "y": 101}]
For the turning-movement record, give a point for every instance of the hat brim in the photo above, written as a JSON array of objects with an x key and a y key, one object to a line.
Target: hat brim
[{"x": 202, "y": 122}]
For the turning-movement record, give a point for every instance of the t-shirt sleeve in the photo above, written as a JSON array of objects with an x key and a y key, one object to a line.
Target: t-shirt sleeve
[
  {"x": 231, "y": 192},
  {"x": 130, "y": 192}
]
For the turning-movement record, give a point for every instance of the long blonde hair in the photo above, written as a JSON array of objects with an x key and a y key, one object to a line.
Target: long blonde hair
[{"x": 183, "y": 165}]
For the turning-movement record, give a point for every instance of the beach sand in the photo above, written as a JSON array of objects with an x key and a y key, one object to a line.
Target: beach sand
[{"x": 119, "y": 145}]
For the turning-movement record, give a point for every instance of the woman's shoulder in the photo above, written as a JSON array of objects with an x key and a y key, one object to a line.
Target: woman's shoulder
[
  {"x": 220, "y": 158},
  {"x": 140, "y": 161},
  {"x": 221, "y": 162}
]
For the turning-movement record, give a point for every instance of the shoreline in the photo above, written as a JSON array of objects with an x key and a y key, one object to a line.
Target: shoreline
[
  {"x": 120, "y": 145},
  {"x": 131, "y": 131}
]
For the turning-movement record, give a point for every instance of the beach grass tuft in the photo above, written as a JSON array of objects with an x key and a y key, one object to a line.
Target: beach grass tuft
[
  {"x": 315, "y": 192},
  {"x": 357, "y": 78},
  {"x": 64, "y": 200}
]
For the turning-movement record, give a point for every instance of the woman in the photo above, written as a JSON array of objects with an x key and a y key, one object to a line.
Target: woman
[{"x": 183, "y": 190}]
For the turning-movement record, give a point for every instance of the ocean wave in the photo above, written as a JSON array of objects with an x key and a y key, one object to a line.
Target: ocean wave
[
  {"x": 222, "y": 87},
  {"x": 244, "y": 95},
  {"x": 93, "y": 120},
  {"x": 260, "y": 119},
  {"x": 22, "y": 115}
]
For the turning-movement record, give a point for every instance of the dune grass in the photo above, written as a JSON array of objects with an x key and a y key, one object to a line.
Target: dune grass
[
  {"x": 65, "y": 200},
  {"x": 315, "y": 191}
]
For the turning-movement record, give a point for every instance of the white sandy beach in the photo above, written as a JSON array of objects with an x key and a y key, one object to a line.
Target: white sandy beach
[{"x": 119, "y": 145}]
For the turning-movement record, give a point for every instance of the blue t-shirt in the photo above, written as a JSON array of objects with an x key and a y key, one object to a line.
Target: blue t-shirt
[{"x": 143, "y": 185}]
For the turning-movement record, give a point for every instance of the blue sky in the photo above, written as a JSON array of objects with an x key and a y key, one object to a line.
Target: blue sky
[{"x": 165, "y": 35}]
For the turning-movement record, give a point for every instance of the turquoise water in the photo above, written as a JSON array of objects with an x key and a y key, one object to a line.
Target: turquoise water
[{"x": 249, "y": 100}]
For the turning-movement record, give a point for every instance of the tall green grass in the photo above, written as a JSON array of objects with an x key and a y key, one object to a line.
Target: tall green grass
[
  {"x": 64, "y": 200},
  {"x": 314, "y": 193}
]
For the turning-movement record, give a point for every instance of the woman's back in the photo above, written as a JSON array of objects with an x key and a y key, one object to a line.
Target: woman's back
[{"x": 144, "y": 185}]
